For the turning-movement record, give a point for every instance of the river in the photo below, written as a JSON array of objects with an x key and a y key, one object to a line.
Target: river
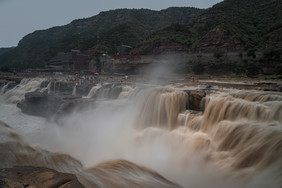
[{"x": 148, "y": 138}]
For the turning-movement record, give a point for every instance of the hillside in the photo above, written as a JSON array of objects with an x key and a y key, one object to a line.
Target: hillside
[
  {"x": 229, "y": 26},
  {"x": 105, "y": 31},
  {"x": 4, "y": 50},
  {"x": 251, "y": 24}
]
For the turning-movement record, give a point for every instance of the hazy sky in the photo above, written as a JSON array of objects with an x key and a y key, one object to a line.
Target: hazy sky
[{"x": 21, "y": 17}]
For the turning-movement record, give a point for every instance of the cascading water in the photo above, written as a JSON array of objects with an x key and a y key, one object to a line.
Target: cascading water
[
  {"x": 93, "y": 91},
  {"x": 74, "y": 90},
  {"x": 47, "y": 88},
  {"x": 235, "y": 142},
  {"x": 16, "y": 94},
  {"x": 3, "y": 88},
  {"x": 244, "y": 129},
  {"x": 161, "y": 107}
]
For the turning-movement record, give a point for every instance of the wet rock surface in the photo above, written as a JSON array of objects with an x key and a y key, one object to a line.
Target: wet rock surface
[
  {"x": 195, "y": 99},
  {"x": 61, "y": 95},
  {"x": 54, "y": 99},
  {"x": 62, "y": 102},
  {"x": 47, "y": 105},
  {"x": 108, "y": 91},
  {"x": 40, "y": 104},
  {"x": 28, "y": 176}
]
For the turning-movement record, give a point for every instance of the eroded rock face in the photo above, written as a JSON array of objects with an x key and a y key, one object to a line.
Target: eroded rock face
[
  {"x": 40, "y": 104},
  {"x": 194, "y": 99},
  {"x": 47, "y": 105},
  {"x": 28, "y": 176},
  {"x": 218, "y": 39}
]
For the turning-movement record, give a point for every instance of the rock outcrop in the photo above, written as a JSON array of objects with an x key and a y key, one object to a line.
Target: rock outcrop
[
  {"x": 218, "y": 40},
  {"x": 40, "y": 104},
  {"x": 47, "y": 105},
  {"x": 28, "y": 176},
  {"x": 195, "y": 100},
  {"x": 61, "y": 102}
]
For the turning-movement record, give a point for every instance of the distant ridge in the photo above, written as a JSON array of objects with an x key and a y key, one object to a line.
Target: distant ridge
[
  {"x": 255, "y": 24},
  {"x": 103, "y": 32},
  {"x": 4, "y": 50},
  {"x": 232, "y": 25}
]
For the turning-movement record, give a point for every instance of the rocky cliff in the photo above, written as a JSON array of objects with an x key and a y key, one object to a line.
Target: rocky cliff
[{"x": 217, "y": 40}]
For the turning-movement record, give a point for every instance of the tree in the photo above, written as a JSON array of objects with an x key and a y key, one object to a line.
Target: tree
[{"x": 198, "y": 68}]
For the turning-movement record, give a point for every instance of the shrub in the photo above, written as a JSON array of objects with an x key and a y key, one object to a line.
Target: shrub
[
  {"x": 218, "y": 54},
  {"x": 5, "y": 69},
  {"x": 198, "y": 68},
  {"x": 252, "y": 69}
]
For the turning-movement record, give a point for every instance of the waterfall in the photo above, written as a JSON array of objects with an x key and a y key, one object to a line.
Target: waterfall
[
  {"x": 150, "y": 139},
  {"x": 47, "y": 88},
  {"x": 161, "y": 107},
  {"x": 3, "y": 89},
  {"x": 16, "y": 94},
  {"x": 223, "y": 106},
  {"x": 57, "y": 85},
  {"x": 244, "y": 127},
  {"x": 125, "y": 92},
  {"x": 74, "y": 90},
  {"x": 93, "y": 91},
  {"x": 106, "y": 91}
]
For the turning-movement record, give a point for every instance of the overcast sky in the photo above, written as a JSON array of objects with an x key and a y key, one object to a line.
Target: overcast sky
[{"x": 21, "y": 17}]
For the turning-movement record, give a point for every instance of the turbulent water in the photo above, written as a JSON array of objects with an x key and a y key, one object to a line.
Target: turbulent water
[{"x": 147, "y": 138}]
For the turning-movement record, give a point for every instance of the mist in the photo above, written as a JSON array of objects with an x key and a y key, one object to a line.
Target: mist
[
  {"x": 111, "y": 130},
  {"x": 166, "y": 67},
  {"x": 148, "y": 135}
]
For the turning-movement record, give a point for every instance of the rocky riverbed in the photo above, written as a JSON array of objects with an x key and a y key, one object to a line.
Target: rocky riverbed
[
  {"x": 28, "y": 176},
  {"x": 59, "y": 95}
]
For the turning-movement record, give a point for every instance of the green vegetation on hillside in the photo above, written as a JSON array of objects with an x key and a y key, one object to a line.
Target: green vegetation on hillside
[
  {"x": 251, "y": 26},
  {"x": 256, "y": 23},
  {"x": 109, "y": 29},
  {"x": 4, "y": 50}
]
